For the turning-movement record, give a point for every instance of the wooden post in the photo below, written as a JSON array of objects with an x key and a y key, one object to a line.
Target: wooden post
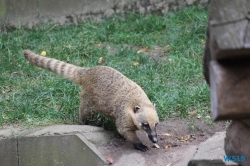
[
  {"x": 226, "y": 67},
  {"x": 227, "y": 58}
]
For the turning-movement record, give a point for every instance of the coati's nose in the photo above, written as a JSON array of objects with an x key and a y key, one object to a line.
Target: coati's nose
[{"x": 153, "y": 138}]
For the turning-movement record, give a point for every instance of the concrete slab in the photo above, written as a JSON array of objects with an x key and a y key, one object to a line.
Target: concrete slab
[
  {"x": 58, "y": 151},
  {"x": 8, "y": 152},
  {"x": 187, "y": 154},
  {"x": 131, "y": 159},
  {"x": 52, "y": 145},
  {"x": 96, "y": 135},
  {"x": 213, "y": 148}
]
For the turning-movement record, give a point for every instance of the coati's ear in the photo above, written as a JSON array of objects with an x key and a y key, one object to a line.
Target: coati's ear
[
  {"x": 154, "y": 105},
  {"x": 136, "y": 109}
]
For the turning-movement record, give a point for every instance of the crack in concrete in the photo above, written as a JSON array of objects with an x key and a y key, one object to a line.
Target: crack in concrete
[{"x": 214, "y": 24}]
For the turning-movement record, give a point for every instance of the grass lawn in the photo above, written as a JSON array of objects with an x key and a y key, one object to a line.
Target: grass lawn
[{"x": 174, "y": 81}]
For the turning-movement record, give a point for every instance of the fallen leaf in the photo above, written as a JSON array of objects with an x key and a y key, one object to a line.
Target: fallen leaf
[
  {"x": 208, "y": 117},
  {"x": 135, "y": 63},
  {"x": 143, "y": 50},
  {"x": 170, "y": 60},
  {"x": 192, "y": 113},
  {"x": 198, "y": 116},
  {"x": 98, "y": 44},
  {"x": 157, "y": 48},
  {"x": 101, "y": 60},
  {"x": 168, "y": 134},
  {"x": 156, "y": 146},
  {"x": 110, "y": 160},
  {"x": 14, "y": 74},
  {"x": 6, "y": 87},
  {"x": 168, "y": 165},
  {"x": 168, "y": 146},
  {"x": 5, "y": 116},
  {"x": 180, "y": 137},
  {"x": 43, "y": 53},
  {"x": 186, "y": 137}
]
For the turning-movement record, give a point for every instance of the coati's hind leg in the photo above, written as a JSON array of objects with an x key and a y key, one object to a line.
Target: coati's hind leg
[
  {"x": 131, "y": 136},
  {"x": 85, "y": 109}
]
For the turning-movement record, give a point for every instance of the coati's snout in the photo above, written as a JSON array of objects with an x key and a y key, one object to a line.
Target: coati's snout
[
  {"x": 147, "y": 119},
  {"x": 151, "y": 131},
  {"x": 154, "y": 138}
]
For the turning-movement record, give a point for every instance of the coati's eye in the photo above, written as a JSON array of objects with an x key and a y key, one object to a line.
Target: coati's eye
[
  {"x": 145, "y": 125},
  {"x": 136, "y": 109}
]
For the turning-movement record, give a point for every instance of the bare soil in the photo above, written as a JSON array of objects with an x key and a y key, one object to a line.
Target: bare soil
[{"x": 174, "y": 137}]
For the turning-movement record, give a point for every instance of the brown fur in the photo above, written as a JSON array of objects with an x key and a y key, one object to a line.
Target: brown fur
[{"x": 107, "y": 91}]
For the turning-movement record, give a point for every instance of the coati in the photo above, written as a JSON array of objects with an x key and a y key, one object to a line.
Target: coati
[{"x": 107, "y": 91}]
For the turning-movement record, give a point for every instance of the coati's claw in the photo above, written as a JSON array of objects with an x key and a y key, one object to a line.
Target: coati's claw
[{"x": 141, "y": 147}]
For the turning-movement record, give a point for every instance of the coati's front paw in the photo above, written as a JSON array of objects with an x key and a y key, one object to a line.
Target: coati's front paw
[{"x": 141, "y": 147}]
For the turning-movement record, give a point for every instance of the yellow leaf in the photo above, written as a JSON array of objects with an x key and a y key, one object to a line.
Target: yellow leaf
[
  {"x": 186, "y": 137},
  {"x": 135, "y": 63},
  {"x": 98, "y": 44},
  {"x": 192, "y": 113},
  {"x": 5, "y": 116},
  {"x": 168, "y": 134},
  {"x": 143, "y": 50},
  {"x": 180, "y": 137},
  {"x": 101, "y": 60},
  {"x": 43, "y": 53}
]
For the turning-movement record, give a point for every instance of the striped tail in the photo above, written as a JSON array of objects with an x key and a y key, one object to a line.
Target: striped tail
[{"x": 68, "y": 71}]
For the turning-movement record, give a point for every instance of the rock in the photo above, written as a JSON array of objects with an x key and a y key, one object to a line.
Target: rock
[
  {"x": 237, "y": 140},
  {"x": 190, "y": 2}
]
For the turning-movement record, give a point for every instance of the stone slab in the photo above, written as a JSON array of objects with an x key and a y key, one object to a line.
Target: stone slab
[
  {"x": 57, "y": 151},
  {"x": 237, "y": 140},
  {"x": 212, "y": 149},
  {"x": 8, "y": 152}
]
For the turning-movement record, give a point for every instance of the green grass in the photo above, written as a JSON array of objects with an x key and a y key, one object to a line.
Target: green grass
[{"x": 35, "y": 96}]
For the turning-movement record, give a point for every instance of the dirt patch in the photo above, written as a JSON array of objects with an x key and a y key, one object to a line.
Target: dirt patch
[{"x": 175, "y": 136}]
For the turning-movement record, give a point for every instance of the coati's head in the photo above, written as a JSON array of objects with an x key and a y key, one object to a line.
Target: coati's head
[{"x": 146, "y": 119}]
